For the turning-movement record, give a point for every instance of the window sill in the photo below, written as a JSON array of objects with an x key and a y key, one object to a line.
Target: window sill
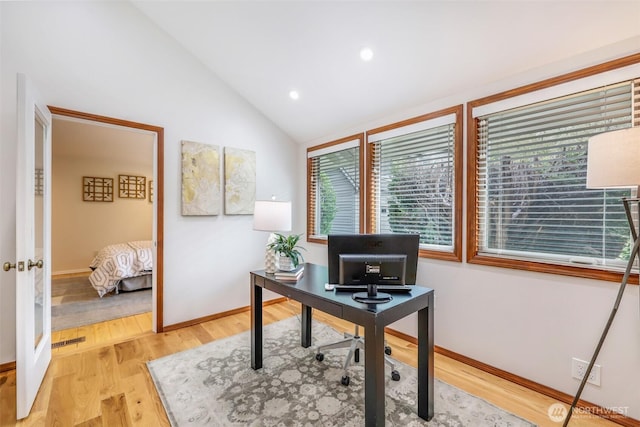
[{"x": 541, "y": 267}]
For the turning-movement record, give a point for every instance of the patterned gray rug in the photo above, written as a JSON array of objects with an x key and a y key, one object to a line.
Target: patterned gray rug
[
  {"x": 214, "y": 385},
  {"x": 74, "y": 303}
]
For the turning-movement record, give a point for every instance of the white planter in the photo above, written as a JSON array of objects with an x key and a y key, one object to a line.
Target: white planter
[{"x": 285, "y": 263}]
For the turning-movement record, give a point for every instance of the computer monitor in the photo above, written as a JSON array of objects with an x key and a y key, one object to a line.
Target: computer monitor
[
  {"x": 390, "y": 259},
  {"x": 363, "y": 269}
]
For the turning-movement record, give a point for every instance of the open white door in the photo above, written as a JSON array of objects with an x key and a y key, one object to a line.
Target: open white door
[{"x": 33, "y": 245}]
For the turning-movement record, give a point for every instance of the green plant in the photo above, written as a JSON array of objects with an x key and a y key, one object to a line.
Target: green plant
[
  {"x": 327, "y": 204},
  {"x": 288, "y": 246}
]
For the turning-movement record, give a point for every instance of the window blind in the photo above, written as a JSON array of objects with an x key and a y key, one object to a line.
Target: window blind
[
  {"x": 412, "y": 185},
  {"x": 531, "y": 181},
  {"x": 334, "y": 193}
]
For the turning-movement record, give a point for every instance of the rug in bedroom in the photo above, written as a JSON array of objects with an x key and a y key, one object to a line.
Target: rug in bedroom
[
  {"x": 75, "y": 303},
  {"x": 214, "y": 385}
]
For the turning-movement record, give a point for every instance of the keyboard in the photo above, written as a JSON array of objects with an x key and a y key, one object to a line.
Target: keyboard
[{"x": 381, "y": 288}]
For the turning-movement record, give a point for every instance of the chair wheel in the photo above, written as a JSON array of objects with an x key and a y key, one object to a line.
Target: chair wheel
[
  {"x": 345, "y": 380},
  {"x": 356, "y": 355},
  {"x": 387, "y": 350},
  {"x": 319, "y": 357},
  {"x": 395, "y": 375}
]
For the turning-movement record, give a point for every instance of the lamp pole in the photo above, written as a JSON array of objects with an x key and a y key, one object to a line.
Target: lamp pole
[{"x": 614, "y": 310}]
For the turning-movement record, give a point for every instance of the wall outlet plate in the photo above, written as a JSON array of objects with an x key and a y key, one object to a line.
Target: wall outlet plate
[{"x": 579, "y": 368}]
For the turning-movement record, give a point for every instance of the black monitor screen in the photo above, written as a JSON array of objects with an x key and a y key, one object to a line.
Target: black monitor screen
[{"x": 373, "y": 244}]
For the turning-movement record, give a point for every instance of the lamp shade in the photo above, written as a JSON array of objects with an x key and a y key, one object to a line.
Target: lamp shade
[
  {"x": 614, "y": 159},
  {"x": 269, "y": 215}
]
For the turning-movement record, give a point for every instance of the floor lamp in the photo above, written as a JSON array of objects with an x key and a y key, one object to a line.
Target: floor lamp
[
  {"x": 613, "y": 162},
  {"x": 270, "y": 215}
]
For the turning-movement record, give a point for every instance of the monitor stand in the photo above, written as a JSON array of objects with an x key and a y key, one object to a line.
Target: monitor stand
[{"x": 372, "y": 296}]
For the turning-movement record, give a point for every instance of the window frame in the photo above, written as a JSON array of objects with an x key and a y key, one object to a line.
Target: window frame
[
  {"x": 371, "y": 210},
  {"x": 473, "y": 255},
  {"x": 311, "y": 213}
]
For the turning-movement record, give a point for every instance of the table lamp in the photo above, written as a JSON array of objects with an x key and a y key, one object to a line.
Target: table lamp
[
  {"x": 270, "y": 215},
  {"x": 613, "y": 161}
]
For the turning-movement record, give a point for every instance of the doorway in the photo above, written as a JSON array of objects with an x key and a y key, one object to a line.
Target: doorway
[{"x": 155, "y": 136}]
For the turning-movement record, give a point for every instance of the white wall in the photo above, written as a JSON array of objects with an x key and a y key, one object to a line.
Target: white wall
[
  {"x": 108, "y": 59},
  {"x": 529, "y": 324}
]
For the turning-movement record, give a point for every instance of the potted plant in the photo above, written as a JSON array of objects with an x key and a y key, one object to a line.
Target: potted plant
[{"x": 287, "y": 251}]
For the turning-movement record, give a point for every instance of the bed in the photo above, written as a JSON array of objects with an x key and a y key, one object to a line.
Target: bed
[{"x": 122, "y": 267}]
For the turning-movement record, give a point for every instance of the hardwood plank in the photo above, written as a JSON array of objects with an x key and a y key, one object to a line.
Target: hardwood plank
[
  {"x": 129, "y": 356},
  {"x": 107, "y": 373},
  {"x": 93, "y": 422},
  {"x": 85, "y": 395},
  {"x": 145, "y": 321},
  {"x": 144, "y": 406},
  {"x": 117, "y": 329},
  {"x": 201, "y": 334},
  {"x": 61, "y": 404},
  {"x": 188, "y": 338},
  {"x": 115, "y": 411},
  {"x": 7, "y": 397},
  {"x": 131, "y": 325},
  {"x": 102, "y": 331}
]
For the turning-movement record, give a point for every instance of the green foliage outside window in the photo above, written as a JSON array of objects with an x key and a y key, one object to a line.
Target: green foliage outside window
[
  {"x": 420, "y": 201},
  {"x": 327, "y": 204},
  {"x": 540, "y": 204}
]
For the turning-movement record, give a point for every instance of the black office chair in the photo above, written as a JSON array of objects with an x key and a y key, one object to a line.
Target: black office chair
[{"x": 355, "y": 343}]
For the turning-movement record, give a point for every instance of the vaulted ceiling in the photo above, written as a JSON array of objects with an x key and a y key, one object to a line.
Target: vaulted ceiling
[{"x": 423, "y": 51}]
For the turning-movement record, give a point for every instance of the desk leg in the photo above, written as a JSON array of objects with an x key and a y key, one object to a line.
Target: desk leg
[
  {"x": 305, "y": 332},
  {"x": 426, "y": 390},
  {"x": 256, "y": 326},
  {"x": 374, "y": 393}
]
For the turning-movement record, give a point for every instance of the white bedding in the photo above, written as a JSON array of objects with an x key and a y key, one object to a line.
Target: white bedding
[{"x": 116, "y": 262}]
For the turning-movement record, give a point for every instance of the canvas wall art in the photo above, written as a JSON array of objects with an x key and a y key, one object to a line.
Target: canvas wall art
[
  {"x": 239, "y": 181},
  {"x": 200, "y": 179}
]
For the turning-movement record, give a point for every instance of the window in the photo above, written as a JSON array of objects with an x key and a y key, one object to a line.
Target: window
[
  {"x": 334, "y": 200},
  {"x": 415, "y": 181},
  {"x": 528, "y": 200}
]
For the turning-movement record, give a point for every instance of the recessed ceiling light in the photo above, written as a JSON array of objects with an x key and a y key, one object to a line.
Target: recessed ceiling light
[
  {"x": 294, "y": 94},
  {"x": 366, "y": 54}
]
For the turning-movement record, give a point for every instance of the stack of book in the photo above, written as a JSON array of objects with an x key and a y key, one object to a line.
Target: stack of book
[{"x": 290, "y": 276}]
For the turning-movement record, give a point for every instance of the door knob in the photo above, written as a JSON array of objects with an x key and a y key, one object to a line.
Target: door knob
[
  {"x": 32, "y": 264},
  {"x": 8, "y": 266}
]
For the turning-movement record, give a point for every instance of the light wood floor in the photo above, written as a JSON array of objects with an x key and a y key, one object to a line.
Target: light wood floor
[{"x": 104, "y": 381}]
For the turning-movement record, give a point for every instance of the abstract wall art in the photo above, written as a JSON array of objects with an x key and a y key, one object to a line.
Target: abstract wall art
[
  {"x": 239, "y": 181},
  {"x": 200, "y": 179}
]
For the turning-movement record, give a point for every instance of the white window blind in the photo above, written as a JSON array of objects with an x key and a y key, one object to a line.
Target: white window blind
[
  {"x": 412, "y": 185},
  {"x": 532, "y": 199},
  {"x": 334, "y": 191}
]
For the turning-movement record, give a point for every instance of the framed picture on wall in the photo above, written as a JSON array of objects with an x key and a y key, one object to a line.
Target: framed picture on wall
[
  {"x": 132, "y": 187},
  {"x": 97, "y": 189}
]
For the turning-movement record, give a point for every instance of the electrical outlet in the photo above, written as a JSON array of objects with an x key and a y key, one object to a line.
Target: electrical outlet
[{"x": 579, "y": 368}]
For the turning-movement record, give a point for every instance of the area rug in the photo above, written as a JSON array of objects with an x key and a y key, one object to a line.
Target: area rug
[
  {"x": 214, "y": 385},
  {"x": 75, "y": 303}
]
